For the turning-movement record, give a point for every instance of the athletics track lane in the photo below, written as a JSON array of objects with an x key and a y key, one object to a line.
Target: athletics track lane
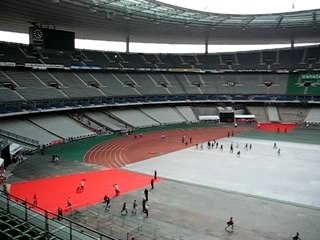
[{"x": 125, "y": 150}]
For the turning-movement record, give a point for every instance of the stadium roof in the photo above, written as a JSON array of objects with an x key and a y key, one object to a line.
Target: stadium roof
[{"x": 156, "y": 22}]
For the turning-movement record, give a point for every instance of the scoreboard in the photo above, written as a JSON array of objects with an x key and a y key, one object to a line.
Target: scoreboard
[{"x": 51, "y": 39}]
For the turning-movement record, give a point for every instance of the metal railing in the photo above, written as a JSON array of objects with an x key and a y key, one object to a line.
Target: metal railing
[
  {"x": 50, "y": 223},
  {"x": 19, "y": 137}
]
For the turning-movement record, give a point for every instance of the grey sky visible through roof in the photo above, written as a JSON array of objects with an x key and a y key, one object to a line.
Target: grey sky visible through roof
[
  {"x": 152, "y": 26},
  {"x": 246, "y": 6}
]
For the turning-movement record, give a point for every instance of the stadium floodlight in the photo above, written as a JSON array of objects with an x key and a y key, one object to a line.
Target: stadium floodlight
[{"x": 92, "y": 10}]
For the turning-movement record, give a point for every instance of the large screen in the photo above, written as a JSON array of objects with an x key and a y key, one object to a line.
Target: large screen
[
  {"x": 58, "y": 40},
  {"x": 51, "y": 39},
  {"x": 226, "y": 117}
]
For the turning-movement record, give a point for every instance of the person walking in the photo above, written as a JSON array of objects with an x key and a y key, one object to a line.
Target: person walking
[
  {"x": 274, "y": 145},
  {"x": 146, "y": 210},
  {"x": 124, "y": 209},
  {"x": 82, "y": 183},
  {"x": 230, "y": 223},
  {"x": 116, "y": 189},
  {"x": 296, "y": 237},
  {"x": 107, "y": 202},
  {"x": 69, "y": 203},
  {"x": 152, "y": 183},
  {"x": 155, "y": 174},
  {"x": 238, "y": 153},
  {"x": 35, "y": 200},
  {"x": 144, "y": 202},
  {"x": 134, "y": 207},
  {"x": 146, "y": 193},
  {"x": 60, "y": 213}
]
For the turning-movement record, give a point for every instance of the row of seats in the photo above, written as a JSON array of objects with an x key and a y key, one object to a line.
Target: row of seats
[
  {"x": 25, "y": 85},
  {"x": 14, "y": 228},
  {"x": 298, "y": 58},
  {"x": 54, "y": 105}
]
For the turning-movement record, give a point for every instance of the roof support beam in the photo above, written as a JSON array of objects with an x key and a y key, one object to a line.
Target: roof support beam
[
  {"x": 206, "y": 41},
  {"x": 222, "y": 19},
  {"x": 128, "y": 43},
  {"x": 279, "y": 21},
  {"x": 246, "y": 23},
  {"x": 314, "y": 19}
]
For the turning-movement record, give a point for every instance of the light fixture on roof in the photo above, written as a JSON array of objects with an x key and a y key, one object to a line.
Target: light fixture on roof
[{"x": 92, "y": 9}]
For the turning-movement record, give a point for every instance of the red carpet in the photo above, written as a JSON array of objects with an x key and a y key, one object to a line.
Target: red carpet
[
  {"x": 277, "y": 127},
  {"x": 53, "y": 192}
]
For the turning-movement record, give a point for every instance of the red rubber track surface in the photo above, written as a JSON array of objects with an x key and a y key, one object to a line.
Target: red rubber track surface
[{"x": 127, "y": 149}]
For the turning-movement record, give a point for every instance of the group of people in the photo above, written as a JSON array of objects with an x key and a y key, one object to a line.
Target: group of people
[
  {"x": 276, "y": 148},
  {"x": 215, "y": 144},
  {"x": 55, "y": 158},
  {"x": 80, "y": 188},
  {"x": 185, "y": 141},
  {"x": 124, "y": 210}
]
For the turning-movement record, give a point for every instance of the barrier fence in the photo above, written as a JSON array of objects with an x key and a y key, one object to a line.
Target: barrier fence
[{"x": 44, "y": 222}]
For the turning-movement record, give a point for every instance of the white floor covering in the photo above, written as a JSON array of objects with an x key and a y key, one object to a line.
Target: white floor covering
[{"x": 294, "y": 176}]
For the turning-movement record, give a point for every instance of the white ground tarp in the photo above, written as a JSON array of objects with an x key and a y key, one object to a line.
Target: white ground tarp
[
  {"x": 209, "y": 118},
  {"x": 248, "y": 116}
]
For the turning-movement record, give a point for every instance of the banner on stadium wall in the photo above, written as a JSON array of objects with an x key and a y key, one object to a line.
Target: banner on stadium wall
[
  {"x": 310, "y": 76},
  {"x": 44, "y": 66},
  {"x": 209, "y": 118},
  {"x": 305, "y": 76},
  {"x": 304, "y": 83},
  {"x": 8, "y": 64},
  {"x": 185, "y": 70},
  {"x": 85, "y": 67},
  {"x": 244, "y": 116}
]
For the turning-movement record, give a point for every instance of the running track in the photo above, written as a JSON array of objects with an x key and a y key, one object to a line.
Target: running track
[{"x": 125, "y": 150}]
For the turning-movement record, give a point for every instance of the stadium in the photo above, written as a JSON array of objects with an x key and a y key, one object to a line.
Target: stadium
[{"x": 194, "y": 136}]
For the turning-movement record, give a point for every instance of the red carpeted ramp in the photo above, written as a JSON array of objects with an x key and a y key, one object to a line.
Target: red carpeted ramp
[
  {"x": 277, "y": 127},
  {"x": 53, "y": 192}
]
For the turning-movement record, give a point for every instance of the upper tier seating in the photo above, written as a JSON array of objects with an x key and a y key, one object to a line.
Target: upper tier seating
[{"x": 267, "y": 60}]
